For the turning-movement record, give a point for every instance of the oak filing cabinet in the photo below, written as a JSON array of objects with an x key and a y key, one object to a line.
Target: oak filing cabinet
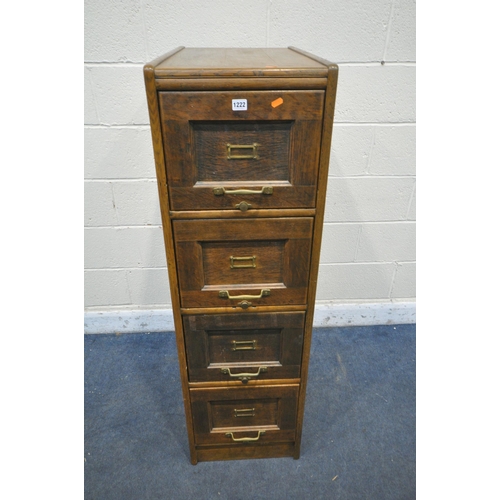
[{"x": 241, "y": 141}]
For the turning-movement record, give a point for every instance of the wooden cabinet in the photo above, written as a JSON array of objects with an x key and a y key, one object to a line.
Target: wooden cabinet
[{"x": 241, "y": 139}]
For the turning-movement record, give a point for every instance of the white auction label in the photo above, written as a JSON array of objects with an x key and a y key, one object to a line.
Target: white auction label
[{"x": 240, "y": 105}]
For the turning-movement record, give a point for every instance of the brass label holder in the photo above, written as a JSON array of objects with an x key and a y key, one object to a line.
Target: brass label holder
[
  {"x": 243, "y": 345},
  {"x": 234, "y": 262},
  {"x": 252, "y": 156},
  {"x": 244, "y": 412}
]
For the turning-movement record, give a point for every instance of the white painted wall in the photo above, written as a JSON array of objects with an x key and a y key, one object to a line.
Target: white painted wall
[{"x": 368, "y": 253}]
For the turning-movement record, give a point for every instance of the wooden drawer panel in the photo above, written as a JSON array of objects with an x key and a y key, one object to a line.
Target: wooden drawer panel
[
  {"x": 221, "y": 164},
  {"x": 243, "y": 344},
  {"x": 219, "y": 261},
  {"x": 212, "y": 150},
  {"x": 264, "y": 412}
]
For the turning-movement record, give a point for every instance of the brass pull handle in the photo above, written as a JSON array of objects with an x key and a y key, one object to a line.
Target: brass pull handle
[
  {"x": 233, "y": 261},
  {"x": 253, "y": 147},
  {"x": 224, "y": 294},
  {"x": 244, "y": 412},
  {"x": 245, "y": 439},
  {"x": 243, "y": 345},
  {"x": 244, "y": 377},
  {"x": 219, "y": 191}
]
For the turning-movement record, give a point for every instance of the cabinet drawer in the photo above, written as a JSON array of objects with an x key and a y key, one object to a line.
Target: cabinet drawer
[
  {"x": 222, "y": 347},
  {"x": 269, "y": 151},
  {"x": 242, "y": 416},
  {"x": 243, "y": 263}
]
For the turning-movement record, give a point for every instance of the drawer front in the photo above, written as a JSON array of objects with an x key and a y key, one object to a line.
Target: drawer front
[
  {"x": 243, "y": 263},
  {"x": 223, "y": 347},
  {"x": 266, "y": 156},
  {"x": 243, "y": 416}
]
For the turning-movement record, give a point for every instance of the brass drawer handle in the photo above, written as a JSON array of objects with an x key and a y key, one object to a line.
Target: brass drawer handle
[
  {"x": 245, "y": 439},
  {"x": 253, "y": 147},
  {"x": 224, "y": 294},
  {"x": 219, "y": 191},
  {"x": 244, "y": 412},
  {"x": 234, "y": 260},
  {"x": 243, "y": 345},
  {"x": 244, "y": 377}
]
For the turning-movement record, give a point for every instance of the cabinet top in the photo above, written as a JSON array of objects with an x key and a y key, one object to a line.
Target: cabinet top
[{"x": 239, "y": 62}]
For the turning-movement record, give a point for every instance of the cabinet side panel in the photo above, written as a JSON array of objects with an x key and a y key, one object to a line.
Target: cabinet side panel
[
  {"x": 331, "y": 92},
  {"x": 154, "y": 116}
]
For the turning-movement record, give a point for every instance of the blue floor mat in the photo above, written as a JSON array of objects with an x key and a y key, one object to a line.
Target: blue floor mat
[{"x": 358, "y": 438}]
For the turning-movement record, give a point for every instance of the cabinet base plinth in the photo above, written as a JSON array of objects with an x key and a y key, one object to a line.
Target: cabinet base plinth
[{"x": 245, "y": 452}]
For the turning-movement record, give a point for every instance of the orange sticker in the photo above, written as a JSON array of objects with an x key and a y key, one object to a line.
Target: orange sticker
[{"x": 277, "y": 102}]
